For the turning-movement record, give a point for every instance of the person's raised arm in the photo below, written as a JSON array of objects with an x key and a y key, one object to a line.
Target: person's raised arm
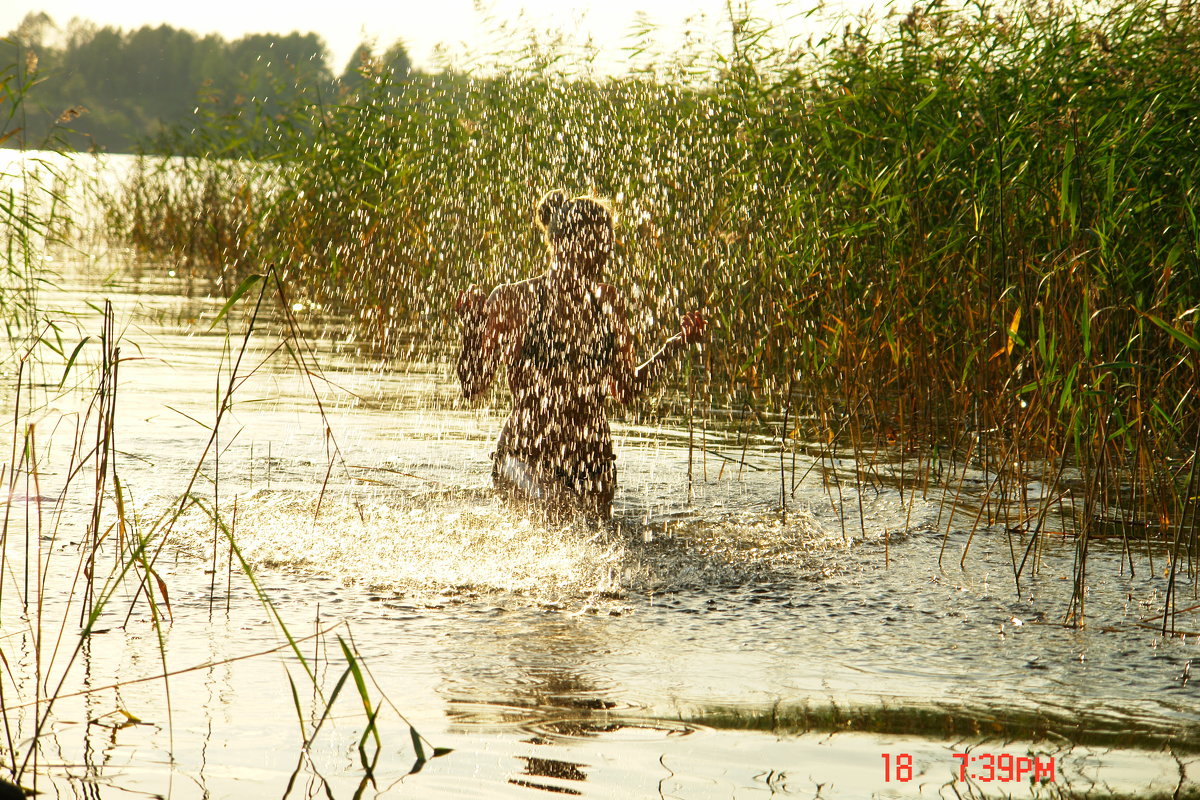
[
  {"x": 627, "y": 381},
  {"x": 488, "y": 326}
]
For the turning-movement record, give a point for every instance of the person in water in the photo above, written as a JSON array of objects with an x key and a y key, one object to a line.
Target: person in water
[{"x": 565, "y": 343}]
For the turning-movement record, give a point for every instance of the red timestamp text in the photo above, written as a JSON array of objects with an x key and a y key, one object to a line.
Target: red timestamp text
[
  {"x": 1004, "y": 767},
  {"x": 897, "y": 766},
  {"x": 982, "y": 767}
]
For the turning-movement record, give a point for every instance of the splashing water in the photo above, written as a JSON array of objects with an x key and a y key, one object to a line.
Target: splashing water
[{"x": 477, "y": 544}]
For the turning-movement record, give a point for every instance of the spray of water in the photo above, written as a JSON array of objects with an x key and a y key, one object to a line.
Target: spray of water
[{"x": 466, "y": 544}]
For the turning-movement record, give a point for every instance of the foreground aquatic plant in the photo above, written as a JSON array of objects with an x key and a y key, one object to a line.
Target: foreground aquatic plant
[{"x": 54, "y": 606}]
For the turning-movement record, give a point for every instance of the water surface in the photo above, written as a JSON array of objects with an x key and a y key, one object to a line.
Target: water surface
[{"x": 711, "y": 643}]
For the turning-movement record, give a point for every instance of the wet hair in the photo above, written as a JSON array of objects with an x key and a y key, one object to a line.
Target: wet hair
[{"x": 561, "y": 217}]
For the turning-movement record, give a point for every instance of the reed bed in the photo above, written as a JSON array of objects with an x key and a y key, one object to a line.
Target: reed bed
[{"x": 962, "y": 237}]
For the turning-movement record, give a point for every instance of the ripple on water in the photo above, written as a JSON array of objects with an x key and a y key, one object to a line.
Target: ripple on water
[{"x": 611, "y": 728}]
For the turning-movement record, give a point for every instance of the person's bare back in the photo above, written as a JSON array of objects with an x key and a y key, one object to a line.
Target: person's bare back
[{"x": 565, "y": 345}]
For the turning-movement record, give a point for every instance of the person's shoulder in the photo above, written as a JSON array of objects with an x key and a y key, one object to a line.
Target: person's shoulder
[
  {"x": 527, "y": 286},
  {"x": 509, "y": 291},
  {"x": 509, "y": 299}
]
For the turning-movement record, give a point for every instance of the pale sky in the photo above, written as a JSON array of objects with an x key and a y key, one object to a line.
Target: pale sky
[{"x": 420, "y": 24}]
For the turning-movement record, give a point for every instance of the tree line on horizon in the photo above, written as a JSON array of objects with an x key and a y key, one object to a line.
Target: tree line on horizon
[{"x": 102, "y": 88}]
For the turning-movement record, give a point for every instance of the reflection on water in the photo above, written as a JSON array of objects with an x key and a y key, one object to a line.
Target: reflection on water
[
  {"x": 704, "y": 645},
  {"x": 550, "y": 768}
]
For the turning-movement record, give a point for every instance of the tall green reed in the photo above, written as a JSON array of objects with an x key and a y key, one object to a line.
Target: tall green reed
[{"x": 32, "y": 196}]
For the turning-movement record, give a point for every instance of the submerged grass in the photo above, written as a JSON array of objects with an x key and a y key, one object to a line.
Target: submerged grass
[{"x": 969, "y": 229}]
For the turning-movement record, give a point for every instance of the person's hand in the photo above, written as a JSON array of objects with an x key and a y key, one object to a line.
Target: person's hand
[
  {"x": 469, "y": 305},
  {"x": 692, "y": 325}
]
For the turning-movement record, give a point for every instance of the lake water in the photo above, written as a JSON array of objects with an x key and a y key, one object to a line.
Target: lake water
[{"x": 710, "y": 643}]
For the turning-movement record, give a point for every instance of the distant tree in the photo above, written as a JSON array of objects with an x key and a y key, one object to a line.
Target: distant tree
[
  {"x": 396, "y": 59},
  {"x": 35, "y": 29},
  {"x": 394, "y": 66},
  {"x": 28, "y": 108},
  {"x": 134, "y": 84},
  {"x": 359, "y": 68}
]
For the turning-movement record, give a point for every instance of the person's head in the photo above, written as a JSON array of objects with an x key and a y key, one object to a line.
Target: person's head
[{"x": 579, "y": 231}]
